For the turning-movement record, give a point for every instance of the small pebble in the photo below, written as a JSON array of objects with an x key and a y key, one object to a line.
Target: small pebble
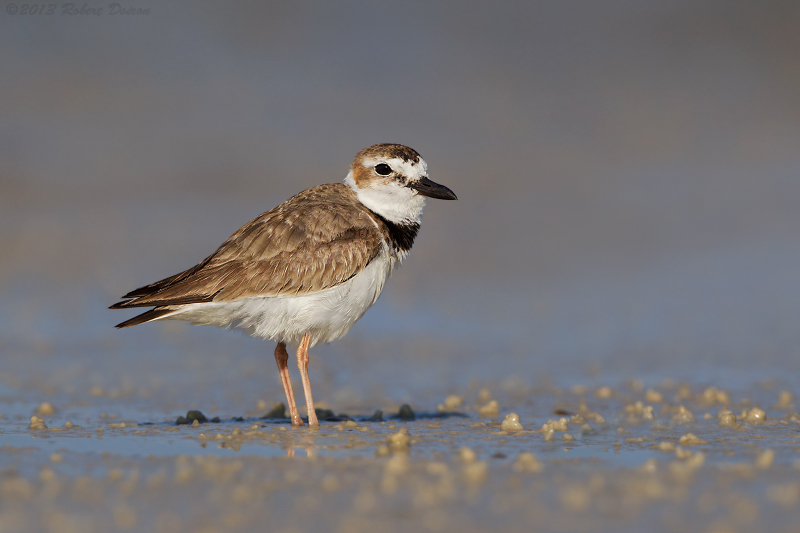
[
  {"x": 324, "y": 414},
  {"x": 405, "y": 412},
  {"x": 191, "y": 416},
  {"x": 278, "y": 411}
]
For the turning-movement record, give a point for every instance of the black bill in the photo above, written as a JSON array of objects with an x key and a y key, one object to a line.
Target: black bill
[{"x": 431, "y": 189}]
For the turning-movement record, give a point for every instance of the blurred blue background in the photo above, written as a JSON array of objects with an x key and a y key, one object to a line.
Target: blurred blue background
[{"x": 628, "y": 177}]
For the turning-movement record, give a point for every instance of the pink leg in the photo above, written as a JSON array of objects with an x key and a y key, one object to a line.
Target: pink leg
[
  {"x": 281, "y": 357},
  {"x": 302, "y": 364}
]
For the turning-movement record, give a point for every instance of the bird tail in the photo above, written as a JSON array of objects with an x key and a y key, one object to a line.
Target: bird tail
[{"x": 154, "y": 314}]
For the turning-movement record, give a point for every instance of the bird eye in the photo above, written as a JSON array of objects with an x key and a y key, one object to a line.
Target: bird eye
[{"x": 383, "y": 169}]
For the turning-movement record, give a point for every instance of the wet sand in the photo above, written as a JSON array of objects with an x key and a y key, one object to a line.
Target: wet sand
[{"x": 623, "y": 457}]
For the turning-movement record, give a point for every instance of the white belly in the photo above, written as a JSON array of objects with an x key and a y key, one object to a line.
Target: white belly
[{"x": 325, "y": 315}]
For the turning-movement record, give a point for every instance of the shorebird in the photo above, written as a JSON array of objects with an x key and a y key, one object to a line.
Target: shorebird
[{"x": 305, "y": 271}]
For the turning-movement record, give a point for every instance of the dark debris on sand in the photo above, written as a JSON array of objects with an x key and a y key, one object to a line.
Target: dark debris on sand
[{"x": 193, "y": 415}]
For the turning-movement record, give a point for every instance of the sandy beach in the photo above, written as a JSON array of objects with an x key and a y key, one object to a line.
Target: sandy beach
[{"x": 620, "y": 272}]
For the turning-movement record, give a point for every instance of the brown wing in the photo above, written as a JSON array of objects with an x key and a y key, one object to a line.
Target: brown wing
[{"x": 315, "y": 240}]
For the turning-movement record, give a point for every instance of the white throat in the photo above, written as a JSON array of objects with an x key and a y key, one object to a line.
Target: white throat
[{"x": 392, "y": 201}]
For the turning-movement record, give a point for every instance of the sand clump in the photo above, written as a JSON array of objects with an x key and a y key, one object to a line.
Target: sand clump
[
  {"x": 551, "y": 426},
  {"x": 785, "y": 400},
  {"x": 690, "y": 439},
  {"x": 400, "y": 441},
  {"x": 527, "y": 462},
  {"x": 682, "y": 415},
  {"x": 714, "y": 395},
  {"x": 489, "y": 410},
  {"x": 653, "y": 396},
  {"x": 604, "y": 393},
  {"x": 638, "y": 411},
  {"x": 765, "y": 459},
  {"x": 511, "y": 423},
  {"x": 475, "y": 473},
  {"x": 37, "y": 424},
  {"x": 755, "y": 416},
  {"x": 726, "y": 418},
  {"x": 467, "y": 455},
  {"x": 451, "y": 403},
  {"x": 45, "y": 409}
]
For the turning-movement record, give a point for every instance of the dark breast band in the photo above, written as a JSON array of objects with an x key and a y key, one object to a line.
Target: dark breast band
[{"x": 400, "y": 235}]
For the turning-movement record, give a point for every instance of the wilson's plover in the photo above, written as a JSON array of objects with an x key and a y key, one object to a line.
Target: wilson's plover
[{"x": 305, "y": 271}]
